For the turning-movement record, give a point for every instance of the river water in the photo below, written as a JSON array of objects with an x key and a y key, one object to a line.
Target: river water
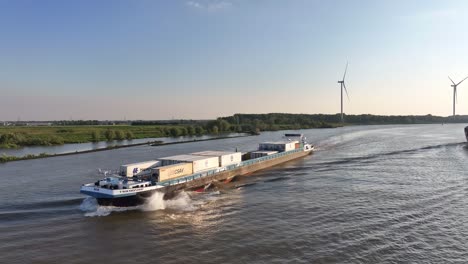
[{"x": 370, "y": 194}]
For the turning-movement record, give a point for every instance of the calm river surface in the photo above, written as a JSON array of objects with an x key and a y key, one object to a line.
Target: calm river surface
[{"x": 370, "y": 194}]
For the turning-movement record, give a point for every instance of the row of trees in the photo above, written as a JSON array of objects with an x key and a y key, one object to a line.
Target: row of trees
[
  {"x": 184, "y": 131},
  {"x": 281, "y": 121},
  {"x": 163, "y": 131},
  {"x": 273, "y": 122},
  {"x": 14, "y": 140},
  {"x": 111, "y": 134},
  {"x": 250, "y": 123}
]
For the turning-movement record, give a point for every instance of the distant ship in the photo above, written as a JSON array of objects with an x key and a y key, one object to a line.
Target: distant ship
[{"x": 136, "y": 182}]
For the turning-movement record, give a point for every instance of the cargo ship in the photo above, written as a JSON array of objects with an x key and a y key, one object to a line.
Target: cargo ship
[{"x": 138, "y": 181}]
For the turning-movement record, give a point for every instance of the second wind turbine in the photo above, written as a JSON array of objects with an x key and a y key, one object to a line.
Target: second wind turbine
[
  {"x": 343, "y": 86},
  {"x": 454, "y": 92}
]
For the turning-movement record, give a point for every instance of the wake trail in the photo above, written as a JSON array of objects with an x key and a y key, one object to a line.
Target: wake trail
[{"x": 370, "y": 158}]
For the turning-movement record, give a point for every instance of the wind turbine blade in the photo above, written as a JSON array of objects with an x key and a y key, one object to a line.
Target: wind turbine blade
[
  {"x": 346, "y": 69},
  {"x": 452, "y": 80},
  {"x": 462, "y": 80},
  {"x": 456, "y": 96},
  {"x": 344, "y": 86}
]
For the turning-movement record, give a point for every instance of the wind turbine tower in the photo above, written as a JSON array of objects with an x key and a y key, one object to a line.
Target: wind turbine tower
[
  {"x": 455, "y": 92},
  {"x": 343, "y": 86}
]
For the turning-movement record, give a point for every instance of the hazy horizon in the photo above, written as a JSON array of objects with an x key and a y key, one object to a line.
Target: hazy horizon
[{"x": 202, "y": 59}]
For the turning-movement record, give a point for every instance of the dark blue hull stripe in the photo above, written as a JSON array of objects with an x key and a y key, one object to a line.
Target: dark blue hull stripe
[{"x": 103, "y": 195}]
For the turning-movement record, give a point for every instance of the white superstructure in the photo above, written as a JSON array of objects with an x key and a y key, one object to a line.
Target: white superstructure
[
  {"x": 279, "y": 145},
  {"x": 133, "y": 169}
]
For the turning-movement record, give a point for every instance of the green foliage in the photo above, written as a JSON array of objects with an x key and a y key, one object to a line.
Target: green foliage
[
  {"x": 119, "y": 135},
  {"x": 55, "y": 140},
  {"x": 190, "y": 130},
  {"x": 129, "y": 135},
  {"x": 64, "y": 130},
  {"x": 4, "y": 158},
  {"x": 18, "y": 136},
  {"x": 199, "y": 130},
  {"x": 183, "y": 131},
  {"x": 220, "y": 124},
  {"x": 109, "y": 134},
  {"x": 90, "y": 130},
  {"x": 276, "y": 121},
  {"x": 13, "y": 140},
  {"x": 223, "y": 125},
  {"x": 174, "y": 132},
  {"x": 95, "y": 136}
]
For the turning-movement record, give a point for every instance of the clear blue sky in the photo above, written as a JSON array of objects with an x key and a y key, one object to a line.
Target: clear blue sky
[{"x": 198, "y": 59}]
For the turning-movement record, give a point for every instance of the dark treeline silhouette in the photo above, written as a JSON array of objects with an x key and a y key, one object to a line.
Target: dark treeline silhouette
[
  {"x": 279, "y": 121},
  {"x": 77, "y": 123},
  {"x": 167, "y": 122},
  {"x": 276, "y": 121}
]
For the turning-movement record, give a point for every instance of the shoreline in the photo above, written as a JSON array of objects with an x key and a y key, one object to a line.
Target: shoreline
[{"x": 155, "y": 143}]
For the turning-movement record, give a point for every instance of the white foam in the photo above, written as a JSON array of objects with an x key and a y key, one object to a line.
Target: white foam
[
  {"x": 182, "y": 202},
  {"x": 89, "y": 204},
  {"x": 107, "y": 210},
  {"x": 155, "y": 202},
  {"x": 92, "y": 208}
]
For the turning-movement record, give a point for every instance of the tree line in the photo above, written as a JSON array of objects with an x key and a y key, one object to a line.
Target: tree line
[
  {"x": 282, "y": 121},
  {"x": 243, "y": 123}
]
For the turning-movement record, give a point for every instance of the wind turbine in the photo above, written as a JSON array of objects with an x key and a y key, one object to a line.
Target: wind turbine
[
  {"x": 342, "y": 83},
  {"x": 455, "y": 92}
]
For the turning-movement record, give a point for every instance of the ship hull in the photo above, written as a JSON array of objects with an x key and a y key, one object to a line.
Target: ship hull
[
  {"x": 172, "y": 190},
  {"x": 127, "y": 201}
]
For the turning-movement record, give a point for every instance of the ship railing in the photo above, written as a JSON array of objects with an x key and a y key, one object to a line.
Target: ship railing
[
  {"x": 269, "y": 157},
  {"x": 227, "y": 168}
]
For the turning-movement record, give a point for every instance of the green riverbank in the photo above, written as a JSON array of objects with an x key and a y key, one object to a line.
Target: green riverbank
[{"x": 6, "y": 158}]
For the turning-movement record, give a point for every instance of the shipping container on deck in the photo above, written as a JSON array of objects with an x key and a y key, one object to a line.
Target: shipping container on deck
[
  {"x": 225, "y": 157},
  {"x": 259, "y": 154},
  {"x": 172, "y": 171},
  {"x": 297, "y": 145},
  {"x": 200, "y": 163},
  {"x": 278, "y": 146},
  {"x": 136, "y": 168}
]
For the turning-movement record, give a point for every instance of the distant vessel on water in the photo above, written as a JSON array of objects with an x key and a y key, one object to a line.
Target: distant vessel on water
[
  {"x": 466, "y": 133},
  {"x": 136, "y": 182}
]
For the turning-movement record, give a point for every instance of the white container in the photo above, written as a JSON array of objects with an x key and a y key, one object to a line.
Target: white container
[
  {"x": 136, "y": 168},
  {"x": 225, "y": 157},
  {"x": 259, "y": 154},
  {"x": 200, "y": 163},
  {"x": 278, "y": 146}
]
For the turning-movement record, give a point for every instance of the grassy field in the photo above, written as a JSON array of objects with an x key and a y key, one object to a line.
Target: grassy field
[{"x": 16, "y": 136}]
